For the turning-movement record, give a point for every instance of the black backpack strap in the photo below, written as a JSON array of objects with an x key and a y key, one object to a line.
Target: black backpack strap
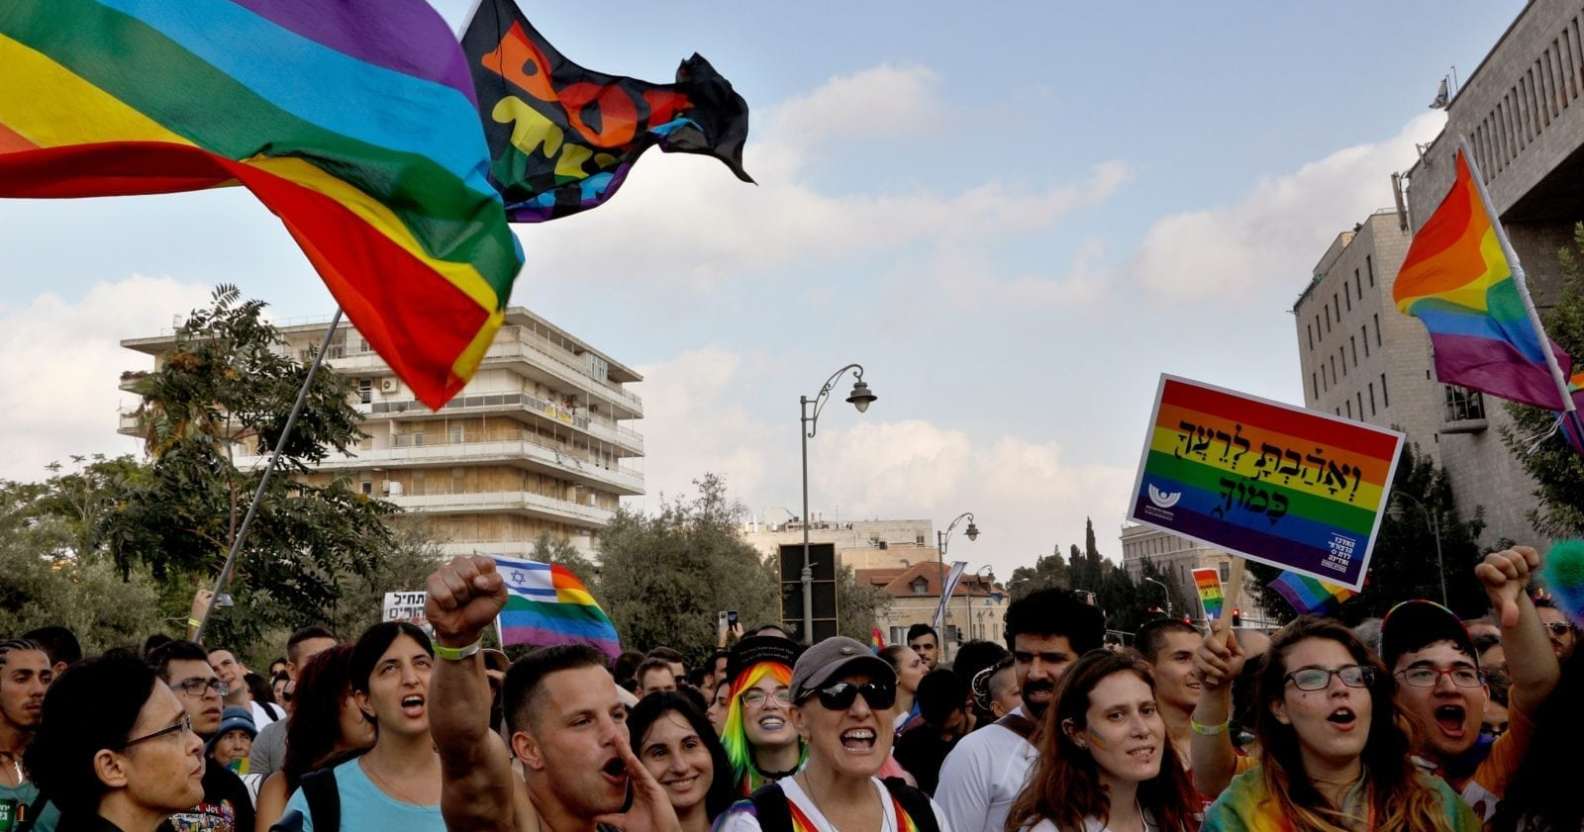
[
  {"x": 771, "y": 808},
  {"x": 1018, "y": 724},
  {"x": 916, "y": 803},
  {"x": 324, "y": 800}
]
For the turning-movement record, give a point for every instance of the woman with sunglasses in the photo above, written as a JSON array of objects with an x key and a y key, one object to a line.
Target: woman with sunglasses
[
  {"x": 325, "y": 729},
  {"x": 676, "y": 743},
  {"x": 1332, "y": 756},
  {"x": 115, "y": 748},
  {"x": 1104, "y": 762},
  {"x": 843, "y": 699}
]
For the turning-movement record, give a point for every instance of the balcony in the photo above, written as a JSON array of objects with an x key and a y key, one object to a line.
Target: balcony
[
  {"x": 537, "y": 352},
  {"x": 128, "y": 422},
  {"x": 520, "y": 549},
  {"x": 621, "y": 480},
  {"x": 506, "y": 403},
  {"x": 1464, "y": 410},
  {"x": 506, "y": 502}
]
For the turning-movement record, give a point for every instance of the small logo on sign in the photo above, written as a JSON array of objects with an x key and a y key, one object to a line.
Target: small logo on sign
[{"x": 1163, "y": 500}]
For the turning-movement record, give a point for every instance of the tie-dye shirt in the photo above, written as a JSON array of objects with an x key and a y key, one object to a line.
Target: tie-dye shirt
[{"x": 1247, "y": 806}]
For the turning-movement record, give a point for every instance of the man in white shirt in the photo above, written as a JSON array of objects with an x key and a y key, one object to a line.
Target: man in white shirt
[{"x": 1047, "y": 631}]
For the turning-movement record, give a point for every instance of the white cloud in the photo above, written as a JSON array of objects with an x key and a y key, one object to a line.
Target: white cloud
[
  {"x": 686, "y": 218},
  {"x": 1026, "y": 495},
  {"x": 1275, "y": 233},
  {"x": 968, "y": 279},
  {"x": 63, "y": 361}
]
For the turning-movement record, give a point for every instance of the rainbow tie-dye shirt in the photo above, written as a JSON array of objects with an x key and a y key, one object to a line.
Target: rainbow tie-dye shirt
[{"x": 1247, "y": 806}]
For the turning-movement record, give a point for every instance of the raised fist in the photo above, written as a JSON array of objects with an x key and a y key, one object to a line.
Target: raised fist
[
  {"x": 465, "y": 595},
  {"x": 1505, "y": 574}
]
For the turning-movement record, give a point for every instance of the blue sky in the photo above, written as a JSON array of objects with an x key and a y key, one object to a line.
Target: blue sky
[{"x": 1016, "y": 218}]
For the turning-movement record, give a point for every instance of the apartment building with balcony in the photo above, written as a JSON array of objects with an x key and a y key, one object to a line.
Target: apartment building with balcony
[{"x": 537, "y": 442}]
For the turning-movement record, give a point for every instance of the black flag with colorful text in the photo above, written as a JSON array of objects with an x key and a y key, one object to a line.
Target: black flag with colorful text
[{"x": 562, "y": 138}]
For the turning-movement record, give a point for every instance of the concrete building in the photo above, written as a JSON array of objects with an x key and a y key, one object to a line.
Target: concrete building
[
  {"x": 535, "y": 443},
  {"x": 860, "y": 544},
  {"x": 977, "y": 609},
  {"x": 1522, "y": 114},
  {"x": 1177, "y": 557}
]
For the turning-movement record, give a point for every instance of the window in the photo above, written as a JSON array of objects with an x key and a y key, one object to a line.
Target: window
[
  {"x": 1337, "y": 305},
  {"x": 1358, "y": 286},
  {"x": 920, "y": 586},
  {"x": 1377, "y": 330},
  {"x": 1325, "y": 378},
  {"x": 1369, "y": 266},
  {"x": 1349, "y": 404},
  {"x": 1314, "y": 381},
  {"x": 1359, "y": 394},
  {"x": 365, "y": 390},
  {"x": 1364, "y": 334},
  {"x": 1463, "y": 404},
  {"x": 1347, "y": 298},
  {"x": 1333, "y": 367},
  {"x": 1385, "y": 396},
  {"x": 1354, "y": 344},
  {"x": 1328, "y": 317},
  {"x": 455, "y": 434},
  {"x": 1318, "y": 333},
  {"x": 1226, "y": 574},
  {"x": 1311, "y": 335},
  {"x": 1372, "y": 398},
  {"x": 1343, "y": 353},
  {"x": 367, "y": 487}
]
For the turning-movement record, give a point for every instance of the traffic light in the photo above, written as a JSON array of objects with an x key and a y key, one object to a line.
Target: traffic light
[{"x": 1237, "y": 617}]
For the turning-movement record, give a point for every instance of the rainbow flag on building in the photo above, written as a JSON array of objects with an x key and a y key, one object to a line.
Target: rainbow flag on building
[
  {"x": 546, "y": 604},
  {"x": 354, "y": 121},
  {"x": 1208, "y": 582},
  {"x": 1458, "y": 282},
  {"x": 1309, "y": 596}
]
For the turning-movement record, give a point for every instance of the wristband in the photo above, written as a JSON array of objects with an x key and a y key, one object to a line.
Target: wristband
[
  {"x": 456, "y": 654},
  {"x": 1208, "y": 730},
  {"x": 194, "y": 623}
]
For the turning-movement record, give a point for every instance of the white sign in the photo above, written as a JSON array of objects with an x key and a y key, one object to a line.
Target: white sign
[{"x": 406, "y": 606}]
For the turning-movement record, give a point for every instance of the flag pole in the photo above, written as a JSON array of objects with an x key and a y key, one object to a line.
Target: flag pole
[
  {"x": 258, "y": 495},
  {"x": 1523, "y": 285}
]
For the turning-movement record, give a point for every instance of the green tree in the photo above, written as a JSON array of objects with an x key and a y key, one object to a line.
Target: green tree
[
  {"x": 859, "y": 606},
  {"x": 664, "y": 577},
  {"x": 1403, "y": 564},
  {"x": 1555, "y": 465},
  {"x": 1047, "y": 571},
  {"x": 226, "y": 386}
]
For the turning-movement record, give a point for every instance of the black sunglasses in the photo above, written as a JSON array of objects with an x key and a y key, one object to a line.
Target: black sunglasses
[{"x": 841, "y": 695}]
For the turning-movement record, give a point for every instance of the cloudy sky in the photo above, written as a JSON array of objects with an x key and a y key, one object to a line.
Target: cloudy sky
[{"x": 1014, "y": 220}]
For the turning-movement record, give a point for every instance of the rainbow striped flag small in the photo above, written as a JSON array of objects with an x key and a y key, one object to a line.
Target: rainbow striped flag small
[
  {"x": 876, "y": 639},
  {"x": 1309, "y": 596},
  {"x": 1211, "y": 597},
  {"x": 546, "y": 604}
]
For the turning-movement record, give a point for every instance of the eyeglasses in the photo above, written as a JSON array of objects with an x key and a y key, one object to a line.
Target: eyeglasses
[
  {"x": 840, "y": 696},
  {"x": 1426, "y": 677},
  {"x": 1319, "y": 678},
  {"x": 197, "y": 685},
  {"x": 757, "y": 698},
  {"x": 182, "y": 725},
  {"x": 1559, "y": 628}
]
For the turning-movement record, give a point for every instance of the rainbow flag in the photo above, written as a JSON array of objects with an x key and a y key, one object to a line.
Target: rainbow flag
[
  {"x": 546, "y": 604},
  {"x": 1309, "y": 596},
  {"x": 876, "y": 639},
  {"x": 1208, "y": 582},
  {"x": 1271, "y": 482},
  {"x": 354, "y": 121},
  {"x": 1458, "y": 283}
]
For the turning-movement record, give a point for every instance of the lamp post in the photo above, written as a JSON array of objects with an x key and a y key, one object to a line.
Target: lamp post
[
  {"x": 1164, "y": 591},
  {"x": 1435, "y": 529},
  {"x": 861, "y": 398},
  {"x": 942, "y": 539}
]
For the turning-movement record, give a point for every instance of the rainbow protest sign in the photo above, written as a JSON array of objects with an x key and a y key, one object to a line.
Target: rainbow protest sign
[
  {"x": 1211, "y": 599},
  {"x": 1289, "y": 487}
]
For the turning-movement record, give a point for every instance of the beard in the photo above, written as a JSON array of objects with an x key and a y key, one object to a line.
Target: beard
[{"x": 1036, "y": 709}]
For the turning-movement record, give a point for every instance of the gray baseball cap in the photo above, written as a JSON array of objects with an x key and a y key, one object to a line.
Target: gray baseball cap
[{"x": 833, "y": 658}]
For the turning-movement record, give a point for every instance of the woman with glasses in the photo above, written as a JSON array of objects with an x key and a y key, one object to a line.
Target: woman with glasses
[
  {"x": 675, "y": 742},
  {"x": 843, "y": 699},
  {"x": 757, "y": 732},
  {"x": 1332, "y": 757},
  {"x": 324, "y": 730},
  {"x": 1104, "y": 762},
  {"x": 115, "y": 748}
]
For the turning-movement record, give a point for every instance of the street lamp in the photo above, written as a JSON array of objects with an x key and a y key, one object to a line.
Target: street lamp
[
  {"x": 1435, "y": 529},
  {"x": 942, "y": 540},
  {"x": 1164, "y": 591},
  {"x": 861, "y": 398}
]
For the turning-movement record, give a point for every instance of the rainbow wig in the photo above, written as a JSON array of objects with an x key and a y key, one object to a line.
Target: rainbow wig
[{"x": 735, "y": 737}]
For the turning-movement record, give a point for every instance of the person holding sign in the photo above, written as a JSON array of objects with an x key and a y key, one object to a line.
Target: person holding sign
[{"x": 1332, "y": 756}]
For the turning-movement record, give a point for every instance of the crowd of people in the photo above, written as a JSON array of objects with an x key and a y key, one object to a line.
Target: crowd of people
[{"x": 1419, "y": 722}]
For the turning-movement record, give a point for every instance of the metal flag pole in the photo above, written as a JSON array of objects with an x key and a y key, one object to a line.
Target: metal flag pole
[
  {"x": 1569, "y": 410},
  {"x": 258, "y": 495}
]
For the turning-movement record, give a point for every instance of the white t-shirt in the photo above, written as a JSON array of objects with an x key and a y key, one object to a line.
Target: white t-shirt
[
  {"x": 261, "y": 716},
  {"x": 982, "y": 776},
  {"x": 741, "y": 817}
]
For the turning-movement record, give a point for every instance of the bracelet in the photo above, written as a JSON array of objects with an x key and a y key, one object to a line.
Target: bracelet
[
  {"x": 1208, "y": 730},
  {"x": 194, "y": 623},
  {"x": 456, "y": 654}
]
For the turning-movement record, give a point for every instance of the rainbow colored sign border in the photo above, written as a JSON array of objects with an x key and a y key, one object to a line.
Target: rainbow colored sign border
[{"x": 1281, "y": 485}]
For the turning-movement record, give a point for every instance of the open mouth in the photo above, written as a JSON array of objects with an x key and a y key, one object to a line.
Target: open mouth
[
  {"x": 412, "y": 706},
  {"x": 614, "y": 770},
  {"x": 772, "y": 723},
  {"x": 1143, "y": 754},
  {"x": 681, "y": 784},
  {"x": 860, "y": 740},
  {"x": 1343, "y": 718},
  {"x": 1449, "y": 718}
]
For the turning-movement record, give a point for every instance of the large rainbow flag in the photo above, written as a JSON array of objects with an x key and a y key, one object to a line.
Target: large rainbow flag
[
  {"x": 546, "y": 604},
  {"x": 353, "y": 120},
  {"x": 1456, "y": 280},
  {"x": 1274, "y": 483}
]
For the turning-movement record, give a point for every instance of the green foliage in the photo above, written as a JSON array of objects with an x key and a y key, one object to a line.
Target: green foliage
[
  {"x": 663, "y": 578},
  {"x": 1403, "y": 564},
  {"x": 1047, "y": 571},
  {"x": 1553, "y": 463},
  {"x": 859, "y": 606}
]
